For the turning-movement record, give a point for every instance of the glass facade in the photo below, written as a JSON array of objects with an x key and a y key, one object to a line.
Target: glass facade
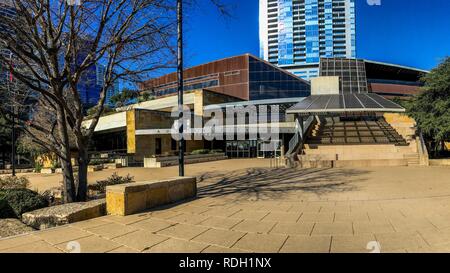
[
  {"x": 295, "y": 34},
  {"x": 312, "y": 31},
  {"x": 268, "y": 82},
  {"x": 286, "y": 33},
  {"x": 351, "y": 72},
  {"x": 187, "y": 87}
]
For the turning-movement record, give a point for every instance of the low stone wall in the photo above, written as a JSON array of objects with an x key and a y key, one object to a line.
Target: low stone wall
[
  {"x": 309, "y": 164},
  {"x": 133, "y": 198},
  {"x": 94, "y": 168},
  {"x": 371, "y": 163},
  {"x": 160, "y": 162},
  {"x": 439, "y": 162},
  {"x": 64, "y": 214},
  {"x": 112, "y": 166},
  {"x": 17, "y": 171}
]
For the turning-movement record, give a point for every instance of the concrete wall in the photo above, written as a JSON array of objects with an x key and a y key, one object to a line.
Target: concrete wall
[
  {"x": 325, "y": 85},
  {"x": 145, "y": 146},
  {"x": 145, "y": 119},
  {"x": 355, "y": 152}
]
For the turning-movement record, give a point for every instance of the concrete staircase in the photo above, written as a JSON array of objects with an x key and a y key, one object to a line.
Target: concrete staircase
[
  {"x": 413, "y": 159},
  {"x": 364, "y": 143}
]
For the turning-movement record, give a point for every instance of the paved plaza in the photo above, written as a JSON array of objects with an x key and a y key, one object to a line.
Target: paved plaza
[{"x": 259, "y": 209}]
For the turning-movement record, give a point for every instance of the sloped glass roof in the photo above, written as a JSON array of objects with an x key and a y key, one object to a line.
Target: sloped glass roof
[{"x": 345, "y": 103}]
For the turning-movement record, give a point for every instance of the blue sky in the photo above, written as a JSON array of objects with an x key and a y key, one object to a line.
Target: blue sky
[{"x": 405, "y": 32}]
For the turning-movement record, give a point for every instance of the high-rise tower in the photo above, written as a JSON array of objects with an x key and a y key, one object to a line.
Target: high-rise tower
[{"x": 295, "y": 34}]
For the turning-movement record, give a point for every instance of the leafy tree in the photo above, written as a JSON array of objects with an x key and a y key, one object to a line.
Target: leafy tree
[
  {"x": 145, "y": 97},
  {"x": 124, "y": 97},
  {"x": 431, "y": 109}
]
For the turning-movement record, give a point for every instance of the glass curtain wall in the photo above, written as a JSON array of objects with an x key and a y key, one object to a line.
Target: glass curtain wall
[
  {"x": 286, "y": 33},
  {"x": 268, "y": 82},
  {"x": 312, "y": 31}
]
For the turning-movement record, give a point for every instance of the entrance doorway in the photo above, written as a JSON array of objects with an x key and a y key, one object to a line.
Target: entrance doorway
[
  {"x": 241, "y": 149},
  {"x": 158, "y": 146},
  {"x": 262, "y": 153}
]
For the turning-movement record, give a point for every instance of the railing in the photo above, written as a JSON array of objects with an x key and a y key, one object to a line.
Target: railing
[
  {"x": 297, "y": 139},
  {"x": 423, "y": 151}
]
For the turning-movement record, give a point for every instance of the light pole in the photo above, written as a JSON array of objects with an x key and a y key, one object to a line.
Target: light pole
[{"x": 181, "y": 143}]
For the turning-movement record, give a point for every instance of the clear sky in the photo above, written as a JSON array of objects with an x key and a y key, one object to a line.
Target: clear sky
[{"x": 405, "y": 32}]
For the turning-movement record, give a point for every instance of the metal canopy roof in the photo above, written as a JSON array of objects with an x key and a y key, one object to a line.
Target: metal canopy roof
[{"x": 345, "y": 103}]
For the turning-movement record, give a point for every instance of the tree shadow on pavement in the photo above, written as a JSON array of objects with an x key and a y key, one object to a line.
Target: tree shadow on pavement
[{"x": 262, "y": 183}]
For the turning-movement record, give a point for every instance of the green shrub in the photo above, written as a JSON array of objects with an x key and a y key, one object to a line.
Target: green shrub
[
  {"x": 96, "y": 161},
  {"x": 115, "y": 179},
  {"x": 15, "y": 202},
  {"x": 56, "y": 164},
  {"x": 217, "y": 151},
  {"x": 13, "y": 182},
  {"x": 200, "y": 152},
  {"x": 37, "y": 167}
]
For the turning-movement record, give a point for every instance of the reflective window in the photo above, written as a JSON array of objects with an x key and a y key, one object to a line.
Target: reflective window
[{"x": 268, "y": 82}]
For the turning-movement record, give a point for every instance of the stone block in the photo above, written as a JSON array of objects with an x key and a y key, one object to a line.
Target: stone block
[
  {"x": 64, "y": 214},
  {"x": 132, "y": 198},
  {"x": 47, "y": 171},
  {"x": 112, "y": 166},
  {"x": 94, "y": 168}
]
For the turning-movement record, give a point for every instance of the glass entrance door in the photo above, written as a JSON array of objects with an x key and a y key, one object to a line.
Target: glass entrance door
[
  {"x": 263, "y": 153},
  {"x": 241, "y": 149}
]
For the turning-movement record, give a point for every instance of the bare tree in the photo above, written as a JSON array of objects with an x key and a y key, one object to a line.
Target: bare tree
[{"x": 55, "y": 43}]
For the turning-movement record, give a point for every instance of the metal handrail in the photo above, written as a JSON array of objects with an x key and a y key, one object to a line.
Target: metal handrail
[
  {"x": 299, "y": 135},
  {"x": 423, "y": 153}
]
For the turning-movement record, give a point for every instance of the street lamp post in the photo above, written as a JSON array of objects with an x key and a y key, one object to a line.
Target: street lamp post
[{"x": 180, "y": 85}]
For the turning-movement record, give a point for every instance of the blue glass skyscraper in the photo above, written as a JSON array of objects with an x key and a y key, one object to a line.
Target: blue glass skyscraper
[{"x": 295, "y": 34}]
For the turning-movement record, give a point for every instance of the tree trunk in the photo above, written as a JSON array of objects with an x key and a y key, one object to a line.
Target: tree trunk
[
  {"x": 68, "y": 181},
  {"x": 83, "y": 162},
  {"x": 66, "y": 164}
]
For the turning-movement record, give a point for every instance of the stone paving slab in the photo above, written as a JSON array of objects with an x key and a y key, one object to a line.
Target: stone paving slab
[
  {"x": 223, "y": 238},
  {"x": 183, "y": 231},
  {"x": 112, "y": 230},
  {"x": 153, "y": 224},
  {"x": 254, "y": 226},
  {"x": 307, "y": 244},
  {"x": 140, "y": 240},
  {"x": 261, "y": 242},
  {"x": 293, "y": 228},
  {"x": 177, "y": 246},
  {"x": 221, "y": 222},
  {"x": 34, "y": 247}
]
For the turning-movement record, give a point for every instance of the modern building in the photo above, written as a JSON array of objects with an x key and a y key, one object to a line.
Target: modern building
[
  {"x": 360, "y": 76},
  {"x": 295, "y": 34},
  {"x": 114, "y": 90},
  {"x": 348, "y": 120},
  {"x": 92, "y": 80},
  {"x": 336, "y": 111},
  {"x": 142, "y": 130},
  {"x": 245, "y": 77}
]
